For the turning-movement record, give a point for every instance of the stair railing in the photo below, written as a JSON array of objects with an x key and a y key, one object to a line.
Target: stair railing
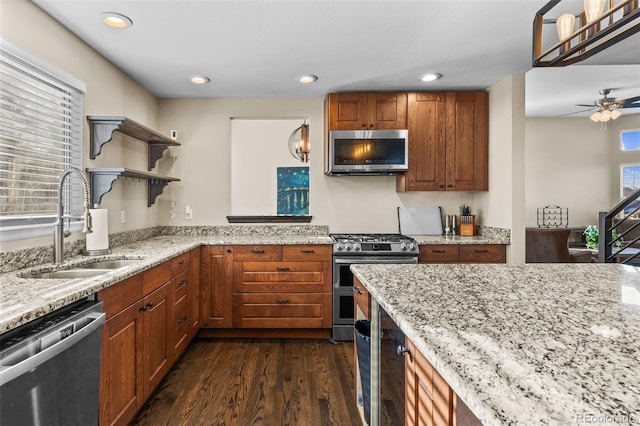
[{"x": 607, "y": 253}]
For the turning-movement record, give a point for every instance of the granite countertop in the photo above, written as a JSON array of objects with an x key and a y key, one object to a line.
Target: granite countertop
[
  {"x": 458, "y": 239},
  {"x": 523, "y": 344},
  {"x": 24, "y": 299}
]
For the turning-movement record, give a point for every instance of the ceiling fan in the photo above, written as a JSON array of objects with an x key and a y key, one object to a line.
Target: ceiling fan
[{"x": 606, "y": 108}]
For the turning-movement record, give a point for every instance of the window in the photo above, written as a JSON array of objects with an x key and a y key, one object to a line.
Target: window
[
  {"x": 630, "y": 140},
  {"x": 40, "y": 136},
  {"x": 630, "y": 175}
]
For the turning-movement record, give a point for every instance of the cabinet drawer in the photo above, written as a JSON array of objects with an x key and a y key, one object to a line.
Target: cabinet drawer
[
  {"x": 485, "y": 253},
  {"x": 180, "y": 263},
  {"x": 180, "y": 326},
  {"x": 321, "y": 253},
  {"x": 282, "y": 310},
  {"x": 180, "y": 285},
  {"x": 361, "y": 299},
  {"x": 275, "y": 277},
  {"x": 257, "y": 253},
  {"x": 120, "y": 295},
  {"x": 156, "y": 277},
  {"x": 438, "y": 253}
]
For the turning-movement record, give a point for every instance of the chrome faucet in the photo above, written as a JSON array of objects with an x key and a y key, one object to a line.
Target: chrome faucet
[{"x": 59, "y": 233}]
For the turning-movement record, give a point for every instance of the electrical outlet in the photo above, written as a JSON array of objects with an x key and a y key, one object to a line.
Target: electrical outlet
[
  {"x": 188, "y": 212},
  {"x": 123, "y": 216}
]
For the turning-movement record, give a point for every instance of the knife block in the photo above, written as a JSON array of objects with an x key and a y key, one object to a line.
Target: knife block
[{"x": 468, "y": 225}]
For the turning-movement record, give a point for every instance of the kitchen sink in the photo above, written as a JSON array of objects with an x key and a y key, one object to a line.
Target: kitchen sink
[
  {"x": 86, "y": 271},
  {"x": 71, "y": 273},
  {"x": 110, "y": 264}
]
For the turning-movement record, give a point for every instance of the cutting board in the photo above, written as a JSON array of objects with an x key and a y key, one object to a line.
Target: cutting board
[{"x": 420, "y": 220}]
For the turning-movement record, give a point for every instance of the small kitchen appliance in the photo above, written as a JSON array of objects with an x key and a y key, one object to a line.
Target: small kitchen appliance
[{"x": 349, "y": 249}]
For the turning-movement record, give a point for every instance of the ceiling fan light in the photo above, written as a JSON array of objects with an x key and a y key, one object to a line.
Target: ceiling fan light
[
  {"x": 605, "y": 115},
  {"x": 615, "y": 114},
  {"x": 593, "y": 9},
  {"x": 595, "y": 116},
  {"x": 564, "y": 26}
]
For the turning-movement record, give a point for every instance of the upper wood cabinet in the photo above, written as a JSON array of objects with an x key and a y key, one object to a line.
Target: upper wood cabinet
[
  {"x": 366, "y": 111},
  {"x": 448, "y": 142}
]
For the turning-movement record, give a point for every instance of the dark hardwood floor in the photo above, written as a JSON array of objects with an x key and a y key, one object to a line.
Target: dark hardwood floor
[{"x": 257, "y": 382}]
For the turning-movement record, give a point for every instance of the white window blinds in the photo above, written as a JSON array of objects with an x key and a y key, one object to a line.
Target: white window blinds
[{"x": 40, "y": 136}]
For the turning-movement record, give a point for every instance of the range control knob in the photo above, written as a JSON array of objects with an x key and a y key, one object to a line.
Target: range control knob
[
  {"x": 403, "y": 247},
  {"x": 356, "y": 247},
  {"x": 412, "y": 247},
  {"x": 348, "y": 247},
  {"x": 339, "y": 247}
]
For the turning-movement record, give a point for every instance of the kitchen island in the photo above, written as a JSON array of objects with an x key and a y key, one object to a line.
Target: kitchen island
[{"x": 523, "y": 344}]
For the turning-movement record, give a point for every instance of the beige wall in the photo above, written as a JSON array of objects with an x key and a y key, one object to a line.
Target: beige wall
[
  {"x": 108, "y": 92},
  {"x": 346, "y": 204},
  {"x": 568, "y": 165},
  {"x": 503, "y": 205}
]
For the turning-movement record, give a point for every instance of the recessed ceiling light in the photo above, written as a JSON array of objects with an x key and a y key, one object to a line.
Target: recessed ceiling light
[
  {"x": 431, "y": 76},
  {"x": 199, "y": 79},
  {"x": 306, "y": 79},
  {"x": 116, "y": 20}
]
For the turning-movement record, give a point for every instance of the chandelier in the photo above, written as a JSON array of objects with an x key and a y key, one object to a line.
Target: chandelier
[
  {"x": 299, "y": 143},
  {"x": 606, "y": 113},
  {"x": 598, "y": 28}
]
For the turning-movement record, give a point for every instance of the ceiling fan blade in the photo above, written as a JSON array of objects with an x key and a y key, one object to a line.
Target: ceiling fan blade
[
  {"x": 577, "y": 112},
  {"x": 630, "y": 102},
  {"x": 585, "y": 105}
]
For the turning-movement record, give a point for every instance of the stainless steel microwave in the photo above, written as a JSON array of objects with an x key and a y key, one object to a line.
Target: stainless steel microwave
[{"x": 367, "y": 152}]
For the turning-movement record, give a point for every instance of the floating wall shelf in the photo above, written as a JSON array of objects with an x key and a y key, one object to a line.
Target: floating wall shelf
[
  {"x": 101, "y": 180},
  {"x": 102, "y": 129}
]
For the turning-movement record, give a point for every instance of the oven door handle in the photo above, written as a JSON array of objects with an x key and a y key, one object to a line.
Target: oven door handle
[{"x": 378, "y": 260}]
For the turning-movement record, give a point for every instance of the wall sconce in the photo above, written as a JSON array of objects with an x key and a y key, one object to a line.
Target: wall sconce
[
  {"x": 299, "y": 146},
  {"x": 598, "y": 29}
]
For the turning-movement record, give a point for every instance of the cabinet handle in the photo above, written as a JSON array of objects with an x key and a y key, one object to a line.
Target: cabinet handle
[
  {"x": 356, "y": 290},
  {"x": 182, "y": 282},
  {"x": 282, "y": 300},
  {"x": 307, "y": 251},
  {"x": 257, "y": 251},
  {"x": 437, "y": 251},
  {"x": 450, "y": 186},
  {"x": 440, "y": 186},
  {"x": 363, "y": 125},
  {"x": 149, "y": 305},
  {"x": 182, "y": 262},
  {"x": 403, "y": 350},
  {"x": 481, "y": 251},
  {"x": 183, "y": 319},
  {"x": 282, "y": 269},
  {"x": 142, "y": 308},
  {"x": 370, "y": 126}
]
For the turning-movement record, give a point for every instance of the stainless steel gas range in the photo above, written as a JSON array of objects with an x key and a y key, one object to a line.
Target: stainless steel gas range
[{"x": 349, "y": 249}]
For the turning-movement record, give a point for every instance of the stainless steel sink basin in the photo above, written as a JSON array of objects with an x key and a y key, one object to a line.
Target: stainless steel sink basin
[
  {"x": 71, "y": 273},
  {"x": 110, "y": 264},
  {"x": 87, "y": 271}
]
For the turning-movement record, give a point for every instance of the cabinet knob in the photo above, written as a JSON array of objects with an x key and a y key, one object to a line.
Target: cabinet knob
[
  {"x": 182, "y": 282},
  {"x": 149, "y": 305},
  {"x": 142, "y": 308},
  {"x": 182, "y": 262},
  {"x": 183, "y": 319},
  {"x": 363, "y": 125},
  {"x": 370, "y": 126},
  {"x": 441, "y": 186},
  {"x": 356, "y": 290}
]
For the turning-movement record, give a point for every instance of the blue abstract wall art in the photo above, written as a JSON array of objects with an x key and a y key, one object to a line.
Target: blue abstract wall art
[{"x": 293, "y": 191}]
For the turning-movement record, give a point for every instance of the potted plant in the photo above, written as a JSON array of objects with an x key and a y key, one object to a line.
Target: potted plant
[{"x": 591, "y": 237}]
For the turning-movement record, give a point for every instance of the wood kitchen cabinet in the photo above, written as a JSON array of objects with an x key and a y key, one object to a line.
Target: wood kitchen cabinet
[
  {"x": 366, "y": 111},
  {"x": 428, "y": 398},
  {"x": 448, "y": 142},
  {"x": 216, "y": 287},
  {"x": 282, "y": 286},
  {"x": 139, "y": 341},
  {"x": 462, "y": 253}
]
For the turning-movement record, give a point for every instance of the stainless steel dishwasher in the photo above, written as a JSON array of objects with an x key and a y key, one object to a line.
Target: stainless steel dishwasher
[{"x": 50, "y": 368}]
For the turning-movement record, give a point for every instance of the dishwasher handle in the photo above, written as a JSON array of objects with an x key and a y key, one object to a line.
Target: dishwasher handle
[{"x": 10, "y": 372}]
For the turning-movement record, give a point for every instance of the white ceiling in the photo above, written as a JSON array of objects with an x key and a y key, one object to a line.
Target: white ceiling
[{"x": 252, "y": 48}]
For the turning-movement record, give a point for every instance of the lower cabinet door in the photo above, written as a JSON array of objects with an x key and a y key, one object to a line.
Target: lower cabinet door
[
  {"x": 428, "y": 398},
  {"x": 122, "y": 385},
  {"x": 282, "y": 310},
  {"x": 156, "y": 338}
]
